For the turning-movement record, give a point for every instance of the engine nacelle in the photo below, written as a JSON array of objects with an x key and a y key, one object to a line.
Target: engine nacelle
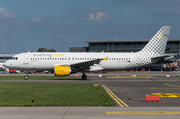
[{"x": 62, "y": 70}]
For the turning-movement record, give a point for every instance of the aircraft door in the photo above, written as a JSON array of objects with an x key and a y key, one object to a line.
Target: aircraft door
[
  {"x": 26, "y": 59},
  {"x": 69, "y": 60}
]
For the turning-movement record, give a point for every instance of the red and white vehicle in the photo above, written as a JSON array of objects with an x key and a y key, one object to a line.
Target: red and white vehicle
[{"x": 14, "y": 71}]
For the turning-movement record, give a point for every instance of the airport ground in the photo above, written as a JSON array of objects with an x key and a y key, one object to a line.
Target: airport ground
[{"x": 129, "y": 87}]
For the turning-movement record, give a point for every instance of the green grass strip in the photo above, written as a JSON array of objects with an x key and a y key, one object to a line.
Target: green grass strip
[
  {"x": 39, "y": 77},
  {"x": 52, "y": 94}
]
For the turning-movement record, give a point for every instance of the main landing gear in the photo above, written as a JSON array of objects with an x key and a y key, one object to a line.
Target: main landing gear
[{"x": 84, "y": 77}]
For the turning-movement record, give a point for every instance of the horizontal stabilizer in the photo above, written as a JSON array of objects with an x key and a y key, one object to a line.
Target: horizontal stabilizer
[{"x": 161, "y": 57}]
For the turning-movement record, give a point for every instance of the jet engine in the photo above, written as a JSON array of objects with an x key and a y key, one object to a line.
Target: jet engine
[{"x": 62, "y": 70}]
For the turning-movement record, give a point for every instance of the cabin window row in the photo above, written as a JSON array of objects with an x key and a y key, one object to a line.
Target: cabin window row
[
  {"x": 118, "y": 58},
  {"x": 78, "y": 58},
  {"x": 48, "y": 58}
]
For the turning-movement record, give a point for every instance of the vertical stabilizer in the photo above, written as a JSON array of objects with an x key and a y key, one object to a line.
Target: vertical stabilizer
[
  {"x": 158, "y": 43},
  {"x": 154, "y": 48}
]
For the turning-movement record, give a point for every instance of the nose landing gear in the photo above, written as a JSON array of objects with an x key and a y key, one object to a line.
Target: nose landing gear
[{"x": 26, "y": 77}]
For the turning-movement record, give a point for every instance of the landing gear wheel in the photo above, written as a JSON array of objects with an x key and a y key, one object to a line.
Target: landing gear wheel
[
  {"x": 84, "y": 77},
  {"x": 26, "y": 77}
]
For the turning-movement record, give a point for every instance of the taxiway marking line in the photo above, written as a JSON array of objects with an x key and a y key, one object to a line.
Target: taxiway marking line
[
  {"x": 119, "y": 101},
  {"x": 129, "y": 77},
  {"x": 142, "y": 112},
  {"x": 112, "y": 96},
  {"x": 117, "y": 97},
  {"x": 140, "y": 88},
  {"x": 171, "y": 85}
]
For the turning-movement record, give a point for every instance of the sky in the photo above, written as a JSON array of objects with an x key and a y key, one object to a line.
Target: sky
[{"x": 59, "y": 24}]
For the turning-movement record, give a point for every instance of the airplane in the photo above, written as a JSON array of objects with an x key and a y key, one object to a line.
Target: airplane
[{"x": 64, "y": 64}]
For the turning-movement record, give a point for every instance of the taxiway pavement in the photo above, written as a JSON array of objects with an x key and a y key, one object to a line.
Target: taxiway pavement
[{"x": 131, "y": 91}]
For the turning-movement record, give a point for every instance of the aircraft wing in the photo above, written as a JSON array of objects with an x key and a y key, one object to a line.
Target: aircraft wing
[
  {"x": 88, "y": 63},
  {"x": 82, "y": 65}
]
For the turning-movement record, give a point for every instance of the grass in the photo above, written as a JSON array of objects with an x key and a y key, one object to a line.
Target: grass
[
  {"x": 52, "y": 94},
  {"x": 38, "y": 77}
]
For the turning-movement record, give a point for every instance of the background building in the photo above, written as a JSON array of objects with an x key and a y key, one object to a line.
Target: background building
[
  {"x": 79, "y": 49},
  {"x": 5, "y": 57},
  {"x": 173, "y": 45}
]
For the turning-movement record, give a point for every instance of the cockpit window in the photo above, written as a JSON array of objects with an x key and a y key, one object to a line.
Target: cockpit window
[{"x": 15, "y": 58}]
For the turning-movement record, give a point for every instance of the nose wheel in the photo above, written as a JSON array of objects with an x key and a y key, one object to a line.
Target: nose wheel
[
  {"x": 26, "y": 77},
  {"x": 84, "y": 77}
]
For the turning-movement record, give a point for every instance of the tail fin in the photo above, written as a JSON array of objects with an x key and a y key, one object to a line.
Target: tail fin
[
  {"x": 155, "y": 48},
  {"x": 158, "y": 43}
]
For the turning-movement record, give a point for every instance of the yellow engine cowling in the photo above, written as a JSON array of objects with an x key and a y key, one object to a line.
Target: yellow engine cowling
[{"x": 62, "y": 70}]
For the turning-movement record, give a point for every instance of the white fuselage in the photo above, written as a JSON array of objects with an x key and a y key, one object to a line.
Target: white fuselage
[
  {"x": 47, "y": 60},
  {"x": 64, "y": 64}
]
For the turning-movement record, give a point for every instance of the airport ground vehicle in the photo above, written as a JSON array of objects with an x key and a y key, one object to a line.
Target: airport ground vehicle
[{"x": 14, "y": 71}]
